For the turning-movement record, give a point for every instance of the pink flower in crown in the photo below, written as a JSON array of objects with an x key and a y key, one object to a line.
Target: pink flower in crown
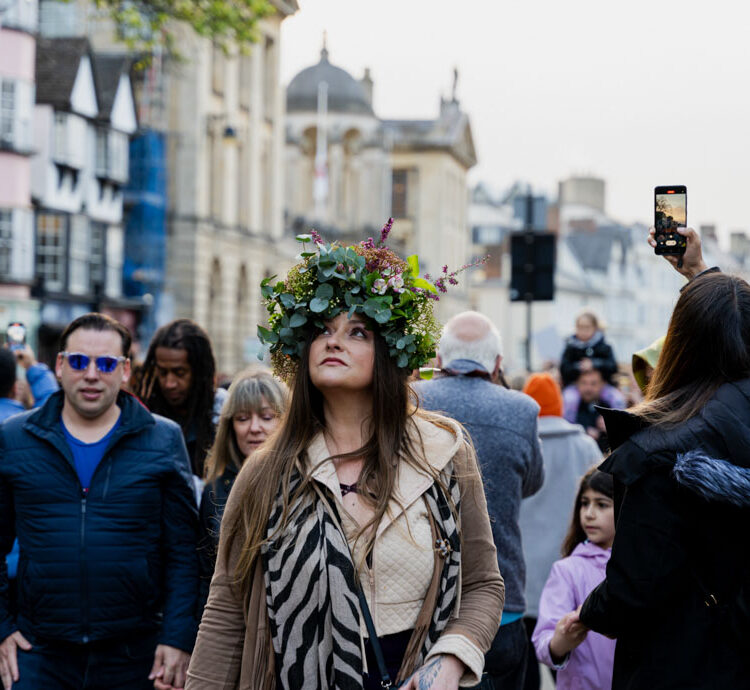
[
  {"x": 397, "y": 282},
  {"x": 386, "y": 231},
  {"x": 379, "y": 286}
]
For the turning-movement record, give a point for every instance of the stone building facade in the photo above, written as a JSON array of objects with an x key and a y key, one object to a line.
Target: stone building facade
[
  {"x": 373, "y": 168},
  {"x": 225, "y": 117},
  {"x": 222, "y": 117}
]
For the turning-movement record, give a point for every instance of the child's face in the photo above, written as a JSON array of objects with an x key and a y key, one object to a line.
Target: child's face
[
  {"x": 585, "y": 329},
  {"x": 597, "y": 516}
]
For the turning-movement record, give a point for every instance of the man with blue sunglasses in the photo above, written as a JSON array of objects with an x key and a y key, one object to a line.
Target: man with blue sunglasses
[{"x": 98, "y": 492}]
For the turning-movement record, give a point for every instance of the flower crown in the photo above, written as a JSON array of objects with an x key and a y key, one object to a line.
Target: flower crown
[{"x": 367, "y": 279}]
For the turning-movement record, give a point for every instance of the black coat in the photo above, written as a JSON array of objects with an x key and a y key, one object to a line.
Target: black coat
[
  {"x": 597, "y": 350},
  {"x": 681, "y": 549},
  {"x": 114, "y": 561},
  {"x": 213, "y": 501}
]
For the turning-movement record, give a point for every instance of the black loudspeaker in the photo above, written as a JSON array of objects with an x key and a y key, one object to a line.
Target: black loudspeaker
[{"x": 532, "y": 266}]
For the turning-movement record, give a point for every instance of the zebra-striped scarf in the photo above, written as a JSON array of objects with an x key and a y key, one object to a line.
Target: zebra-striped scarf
[{"x": 311, "y": 595}]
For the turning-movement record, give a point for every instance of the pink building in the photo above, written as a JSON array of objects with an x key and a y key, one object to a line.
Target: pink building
[{"x": 18, "y": 25}]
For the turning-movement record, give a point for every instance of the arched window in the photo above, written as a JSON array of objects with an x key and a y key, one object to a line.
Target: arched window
[
  {"x": 215, "y": 319},
  {"x": 242, "y": 320}
]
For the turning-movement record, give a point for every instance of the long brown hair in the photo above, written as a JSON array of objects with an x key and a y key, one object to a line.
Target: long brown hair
[
  {"x": 602, "y": 483},
  {"x": 707, "y": 345},
  {"x": 247, "y": 393},
  {"x": 393, "y": 403}
]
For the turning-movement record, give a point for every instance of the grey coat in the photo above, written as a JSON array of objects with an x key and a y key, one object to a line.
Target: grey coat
[
  {"x": 503, "y": 428},
  {"x": 568, "y": 453}
]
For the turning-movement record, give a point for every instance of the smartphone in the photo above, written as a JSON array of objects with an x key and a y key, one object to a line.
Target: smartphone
[
  {"x": 16, "y": 336},
  {"x": 670, "y": 213}
]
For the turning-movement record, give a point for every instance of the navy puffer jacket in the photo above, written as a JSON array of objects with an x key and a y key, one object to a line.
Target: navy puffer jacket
[{"x": 114, "y": 561}]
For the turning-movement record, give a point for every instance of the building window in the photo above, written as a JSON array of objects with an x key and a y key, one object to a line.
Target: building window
[
  {"x": 102, "y": 154},
  {"x": 50, "y": 250},
  {"x": 6, "y": 241},
  {"x": 246, "y": 81},
  {"x": 61, "y": 138},
  {"x": 243, "y": 191},
  {"x": 269, "y": 78},
  {"x": 79, "y": 276},
  {"x": 243, "y": 315},
  {"x": 21, "y": 14},
  {"x": 218, "y": 67},
  {"x": 266, "y": 160},
  {"x": 96, "y": 255},
  {"x": 58, "y": 19},
  {"x": 216, "y": 171},
  {"x": 16, "y": 107},
  {"x": 7, "y": 112},
  {"x": 216, "y": 322},
  {"x": 118, "y": 156},
  {"x": 399, "y": 209},
  {"x": 115, "y": 247}
]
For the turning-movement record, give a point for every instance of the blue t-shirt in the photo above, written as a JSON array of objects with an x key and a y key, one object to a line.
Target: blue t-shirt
[{"x": 87, "y": 456}]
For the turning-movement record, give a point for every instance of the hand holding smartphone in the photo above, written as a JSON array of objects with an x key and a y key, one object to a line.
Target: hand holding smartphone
[
  {"x": 670, "y": 213},
  {"x": 680, "y": 248}
]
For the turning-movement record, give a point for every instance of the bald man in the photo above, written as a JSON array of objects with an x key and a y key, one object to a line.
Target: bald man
[{"x": 503, "y": 427}]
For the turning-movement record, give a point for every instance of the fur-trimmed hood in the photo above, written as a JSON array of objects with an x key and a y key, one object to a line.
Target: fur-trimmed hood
[
  {"x": 712, "y": 478},
  {"x": 709, "y": 453}
]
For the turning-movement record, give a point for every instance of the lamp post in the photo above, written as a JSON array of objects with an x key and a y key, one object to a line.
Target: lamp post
[{"x": 529, "y": 269}]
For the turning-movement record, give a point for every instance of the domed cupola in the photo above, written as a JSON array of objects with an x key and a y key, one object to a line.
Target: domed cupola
[{"x": 345, "y": 93}]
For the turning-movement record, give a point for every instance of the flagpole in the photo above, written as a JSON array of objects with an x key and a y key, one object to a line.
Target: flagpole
[{"x": 320, "y": 185}]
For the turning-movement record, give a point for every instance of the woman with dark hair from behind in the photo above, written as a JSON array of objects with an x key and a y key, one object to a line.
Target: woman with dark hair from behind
[
  {"x": 178, "y": 382},
  {"x": 256, "y": 402},
  {"x": 676, "y": 591}
]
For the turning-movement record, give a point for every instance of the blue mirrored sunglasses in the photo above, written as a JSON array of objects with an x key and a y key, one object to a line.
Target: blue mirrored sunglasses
[{"x": 80, "y": 362}]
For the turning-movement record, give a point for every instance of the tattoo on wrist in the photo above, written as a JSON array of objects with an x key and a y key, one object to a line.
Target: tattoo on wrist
[{"x": 429, "y": 673}]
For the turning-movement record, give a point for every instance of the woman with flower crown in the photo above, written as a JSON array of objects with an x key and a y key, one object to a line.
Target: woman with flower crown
[{"x": 355, "y": 550}]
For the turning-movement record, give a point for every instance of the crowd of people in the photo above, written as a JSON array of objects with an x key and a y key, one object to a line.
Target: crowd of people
[{"x": 340, "y": 522}]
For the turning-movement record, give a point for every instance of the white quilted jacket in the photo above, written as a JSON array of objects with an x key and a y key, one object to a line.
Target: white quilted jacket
[{"x": 403, "y": 557}]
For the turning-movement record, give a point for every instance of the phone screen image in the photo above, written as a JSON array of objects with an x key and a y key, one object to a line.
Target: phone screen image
[{"x": 671, "y": 211}]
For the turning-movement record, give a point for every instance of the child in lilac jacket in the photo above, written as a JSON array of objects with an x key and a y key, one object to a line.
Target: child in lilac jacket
[{"x": 583, "y": 660}]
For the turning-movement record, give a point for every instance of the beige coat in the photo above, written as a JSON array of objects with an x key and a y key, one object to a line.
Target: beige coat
[{"x": 234, "y": 649}]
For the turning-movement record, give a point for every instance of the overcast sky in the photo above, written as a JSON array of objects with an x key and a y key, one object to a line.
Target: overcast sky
[{"x": 640, "y": 93}]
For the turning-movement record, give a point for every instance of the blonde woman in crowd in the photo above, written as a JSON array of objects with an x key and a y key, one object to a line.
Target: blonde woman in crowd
[{"x": 255, "y": 404}]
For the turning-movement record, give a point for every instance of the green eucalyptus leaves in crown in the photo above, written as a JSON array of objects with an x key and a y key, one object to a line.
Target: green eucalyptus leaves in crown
[{"x": 367, "y": 279}]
